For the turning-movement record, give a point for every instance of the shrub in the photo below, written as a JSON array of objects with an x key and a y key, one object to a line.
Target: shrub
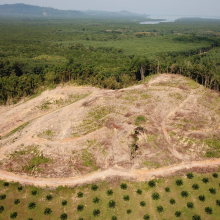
[
  {"x": 152, "y": 183},
  {"x": 178, "y": 214},
  {"x": 79, "y": 194},
  {"x": 30, "y": 218},
  {"x": 1, "y": 209},
  {"x": 184, "y": 194},
  {"x": 63, "y": 216},
  {"x": 167, "y": 189},
  {"x": 218, "y": 202},
  {"x": 34, "y": 192},
  {"x": 172, "y": 201},
  {"x": 195, "y": 186},
  {"x": 2, "y": 197},
  {"x": 96, "y": 200},
  {"x": 96, "y": 212},
  {"x": 47, "y": 211},
  {"x": 16, "y": 201},
  {"x": 189, "y": 175},
  {"x": 212, "y": 191},
  {"x": 20, "y": 188},
  {"x": 146, "y": 217},
  {"x": 215, "y": 175},
  {"x": 64, "y": 203},
  {"x": 129, "y": 211},
  {"x": 31, "y": 205},
  {"x": 111, "y": 204},
  {"x": 142, "y": 204},
  {"x": 155, "y": 196},
  {"x": 179, "y": 182},
  {"x": 124, "y": 186},
  {"x": 205, "y": 180},
  {"x": 126, "y": 198},
  {"x": 13, "y": 215},
  {"x": 114, "y": 217},
  {"x": 190, "y": 205},
  {"x": 80, "y": 218},
  {"x": 49, "y": 197},
  {"x": 94, "y": 187},
  {"x": 7, "y": 184},
  {"x": 196, "y": 217},
  {"x": 109, "y": 192},
  {"x": 139, "y": 191},
  {"x": 160, "y": 208},
  {"x": 80, "y": 208},
  {"x": 208, "y": 210},
  {"x": 202, "y": 198}
]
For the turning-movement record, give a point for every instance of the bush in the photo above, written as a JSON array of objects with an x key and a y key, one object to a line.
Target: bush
[
  {"x": 49, "y": 197},
  {"x": 20, "y": 188},
  {"x": 215, "y": 175},
  {"x": 94, "y": 187},
  {"x": 114, "y": 217},
  {"x": 6, "y": 184},
  {"x": 2, "y": 197},
  {"x": 195, "y": 186},
  {"x": 172, "y": 201},
  {"x": 184, "y": 194},
  {"x": 208, "y": 210},
  {"x": 13, "y": 215},
  {"x": 64, "y": 203},
  {"x": 111, "y": 204},
  {"x": 126, "y": 198},
  {"x": 16, "y": 201},
  {"x": 31, "y": 205},
  {"x": 155, "y": 196},
  {"x": 139, "y": 191},
  {"x": 63, "y": 216},
  {"x": 34, "y": 192},
  {"x": 190, "y": 205},
  {"x": 109, "y": 192},
  {"x": 152, "y": 184},
  {"x": 202, "y": 198},
  {"x": 30, "y": 218},
  {"x": 80, "y": 208},
  {"x": 218, "y": 202},
  {"x": 79, "y": 194},
  {"x": 160, "y": 209},
  {"x": 205, "y": 180},
  {"x": 167, "y": 189},
  {"x": 96, "y": 200},
  {"x": 178, "y": 214},
  {"x": 1, "y": 209},
  {"x": 142, "y": 204},
  {"x": 129, "y": 211},
  {"x": 212, "y": 191},
  {"x": 190, "y": 175},
  {"x": 146, "y": 217},
  {"x": 80, "y": 219},
  {"x": 96, "y": 212},
  {"x": 124, "y": 186},
  {"x": 196, "y": 217},
  {"x": 47, "y": 211},
  {"x": 179, "y": 182}
]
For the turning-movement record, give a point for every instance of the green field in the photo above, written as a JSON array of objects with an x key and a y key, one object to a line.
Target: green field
[{"x": 124, "y": 199}]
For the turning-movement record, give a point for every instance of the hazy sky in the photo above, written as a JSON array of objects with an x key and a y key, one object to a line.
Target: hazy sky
[{"x": 172, "y": 7}]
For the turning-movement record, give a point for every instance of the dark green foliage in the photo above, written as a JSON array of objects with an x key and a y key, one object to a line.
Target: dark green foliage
[
  {"x": 124, "y": 186},
  {"x": 184, "y": 194},
  {"x": 139, "y": 191},
  {"x": 215, "y": 175},
  {"x": 208, "y": 210},
  {"x": 49, "y": 197},
  {"x": 152, "y": 184},
  {"x": 30, "y": 218},
  {"x": 195, "y": 186},
  {"x": 142, "y": 204},
  {"x": 160, "y": 209},
  {"x": 109, "y": 192},
  {"x": 155, "y": 196},
  {"x": 167, "y": 189},
  {"x": 146, "y": 217},
  {"x": 172, "y": 201},
  {"x": 196, "y": 217},
  {"x": 79, "y": 194},
  {"x": 179, "y": 182},
  {"x": 64, "y": 203},
  {"x": 96, "y": 212},
  {"x": 20, "y": 188},
  {"x": 114, "y": 217},
  {"x": 2, "y": 197},
  {"x": 47, "y": 211},
  {"x": 5, "y": 184},
  {"x": 96, "y": 200},
  {"x": 80, "y": 219},
  {"x": 212, "y": 191},
  {"x": 129, "y": 211},
  {"x": 17, "y": 201},
  {"x": 218, "y": 202},
  {"x": 190, "y": 205},
  {"x": 80, "y": 208},
  {"x": 205, "y": 180},
  {"x": 63, "y": 216},
  {"x": 126, "y": 198},
  {"x": 13, "y": 215},
  {"x": 94, "y": 187},
  {"x": 202, "y": 198},
  {"x": 34, "y": 192},
  {"x": 1, "y": 209},
  {"x": 178, "y": 214},
  {"x": 111, "y": 204},
  {"x": 190, "y": 175},
  {"x": 31, "y": 205}
]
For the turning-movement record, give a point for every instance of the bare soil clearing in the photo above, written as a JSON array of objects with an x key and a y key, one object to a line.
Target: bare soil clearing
[{"x": 70, "y": 132}]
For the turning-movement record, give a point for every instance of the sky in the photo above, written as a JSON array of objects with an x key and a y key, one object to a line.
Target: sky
[{"x": 164, "y": 7}]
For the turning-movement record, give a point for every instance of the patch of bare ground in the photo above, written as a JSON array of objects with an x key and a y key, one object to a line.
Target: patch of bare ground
[{"x": 78, "y": 130}]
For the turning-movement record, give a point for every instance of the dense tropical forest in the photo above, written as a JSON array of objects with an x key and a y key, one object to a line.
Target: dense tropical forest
[{"x": 39, "y": 53}]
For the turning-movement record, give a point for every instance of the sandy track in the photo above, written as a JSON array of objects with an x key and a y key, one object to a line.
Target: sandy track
[{"x": 135, "y": 175}]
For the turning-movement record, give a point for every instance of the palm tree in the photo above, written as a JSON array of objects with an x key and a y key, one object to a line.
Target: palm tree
[
  {"x": 6, "y": 184},
  {"x": 13, "y": 215},
  {"x": 218, "y": 202},
  {"x": 167, "y": 189},
  {"x": 184, "y": 194},
  {"x": 205, "y": 180},
  {"x": 31, "y": 205},
  {"x": 179, "y": 182},
  {"x": 1, "y": 209},
  {"x": 178, "y": 214},
  {"x": 212, "y": 191},
  {"x": 215, "y": 175},
  {"x": 172, "y": 201},
  {"x": 96, "y": 200},
  {"x": 146, "y": 217},
  {"x": 129, "y": 211},
  {"x": 47, "y": 211},
  {"x": 109, "y": 192},
  {"x": 160, "y": 208},
  {"x": 49, "y": 197},
  {"x": 114, "y": 217},
  {"x": 208, "y": 210},
  {"x": 79, "y": 194},
  {"x": 155, "y": 196},
  {"x": 142, "y": 204},
  {"x": 152, "y": 183},
  {"x": 2, "y": 197},
  {"x": 96, "y": 212},
  {"x": 80, "y": 208},
  {"x": 139, "y": 191},
  {"x": 196, "y": 217},
  {"x": 111, "y": 204},
  {"x": 195, "y": 186},
  {"x": 20, "y": 188},
  {"x": 64, "y": 203},
  {"x": 94, "y": 187},
  {"x": 189, "y": 175},
  {"x": 190, "y": 205},
  {"x": 202, "y": 198},
  {"x": 126, "y": 198},
  {"x": 34, "y": 192},
  {"x": 63, "y": 216},
  {"x": 16, "y": 201},
  {"x": 124, "y": 186}
]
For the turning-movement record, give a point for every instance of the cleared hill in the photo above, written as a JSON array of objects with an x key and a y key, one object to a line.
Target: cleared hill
[{"x": 71, "y": 131}]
